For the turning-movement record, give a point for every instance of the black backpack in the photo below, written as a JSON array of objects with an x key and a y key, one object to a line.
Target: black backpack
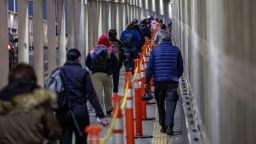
[
  {"x": 56, "y": 83},
  {"x": 100, "y": 61}
]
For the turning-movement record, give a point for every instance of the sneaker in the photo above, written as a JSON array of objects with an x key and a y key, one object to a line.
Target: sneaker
[
  {"x": 163, "y": 130},
  {"x": 169, "y": 131}
]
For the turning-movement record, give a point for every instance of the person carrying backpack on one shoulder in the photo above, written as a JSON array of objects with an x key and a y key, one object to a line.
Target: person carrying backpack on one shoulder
[
  {"x": 117, "y": 48},
  {"x": 131, "y": 40},
  {"x": 102, "y": 62},
  {"x": 79, "y": 89}
]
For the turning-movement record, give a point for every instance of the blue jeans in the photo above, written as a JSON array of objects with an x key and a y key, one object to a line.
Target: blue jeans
[
  {"x": 131, "y": 54},
  {"x": 166, "y": 95}
]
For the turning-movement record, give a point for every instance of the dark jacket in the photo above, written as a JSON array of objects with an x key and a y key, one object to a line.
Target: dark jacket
[
  {"x": 165, "y": 64},
  {"x": 145, "y": 30},
  {"x": 138, "y": 39},
  {"x": 121, "y": 60},
  {"x": 26, "y": 116},
  {"x": 80, "y": 87},
  {"x": 137, "y": 28}
]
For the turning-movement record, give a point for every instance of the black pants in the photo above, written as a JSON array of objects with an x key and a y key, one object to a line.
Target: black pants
[
  {"x": 166, "y": 98},
  {"x": 68, "y": 125}
]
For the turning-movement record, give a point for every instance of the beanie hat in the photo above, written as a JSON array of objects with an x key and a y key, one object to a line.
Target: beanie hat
[
  {"x": 104, "y": 40},
  {"x": 135, "y": 21},
  {"x": 165, "y": 36}
]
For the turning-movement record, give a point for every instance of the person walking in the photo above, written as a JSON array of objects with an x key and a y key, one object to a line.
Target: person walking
[
  {"x": 117, "y": 48},
  {"x": 132, "y": 42},
  {"x": 166, "y": 67},
  {"x": 102, "y": 62},
  {"x": 26, "y": 116},
  {"x": 158, "y": 34},
  {"x": 80, "y": 89}
]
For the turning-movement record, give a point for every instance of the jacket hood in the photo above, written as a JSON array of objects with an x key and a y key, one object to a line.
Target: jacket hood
[
  {"x": 104, "y": 40},
  {"x": 26, "y": 102},
  {"x": 98, "y": 50},
  {"x": 17, "y": 87},
  {"x": 21, "y": 95}
]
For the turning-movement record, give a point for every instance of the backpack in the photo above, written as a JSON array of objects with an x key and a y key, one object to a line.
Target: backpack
[
  {"x": 100, "y": 59},
  {"x": 115, "y": 48},
  {"x": 129, "y": 39},
  {"x": 56, "y": 83}
]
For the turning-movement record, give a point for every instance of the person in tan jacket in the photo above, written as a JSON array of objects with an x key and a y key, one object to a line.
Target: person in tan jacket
[{"x": 26, "y": 116}]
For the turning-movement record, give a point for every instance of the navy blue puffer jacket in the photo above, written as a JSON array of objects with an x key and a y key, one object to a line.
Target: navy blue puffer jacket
[{"x": 165, "y": 64}]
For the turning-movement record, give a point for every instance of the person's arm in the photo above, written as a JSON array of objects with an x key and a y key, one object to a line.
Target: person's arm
[
  {"x": 122, "y": 36},
  {"x": 115, "y": 81},
  {"x": 120, "y": 44},
  {"x": 179, "y": 64},
  {"x": 121, "y": 56},
  {"x": 51, "y": 125},
  {"x": 92, "y": 97},
  {"x": 114, "y": 62},
  {"x": 88, "y": 61},
  {"x": 150, "y": 68}
]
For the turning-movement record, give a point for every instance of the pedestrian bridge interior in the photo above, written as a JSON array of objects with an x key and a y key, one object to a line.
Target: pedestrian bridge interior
[{"x": 217, "y": 40}]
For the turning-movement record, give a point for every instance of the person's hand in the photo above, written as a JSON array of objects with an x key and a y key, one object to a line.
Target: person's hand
[
  {"x": 104, "y": 122},
  {"x": 115, "y": 94}
]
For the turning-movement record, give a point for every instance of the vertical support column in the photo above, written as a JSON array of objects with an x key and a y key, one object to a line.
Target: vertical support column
[
  {"x": 120, "y": 18},
  {"x": 71, "y": 23},
  {"x": 38, "y": 40},
  {"x": 61, "y": 32},
  {"x": 80, "y": 28},
  {"x": 86, "y": 24},
  {"x": 118, "y": 29},
  {"x": 23, "y": 31},
  {"x": 105, "y": 17},
  {"x": 51, "y": 35},
  {"x": 94, "y": 21},
  {"x": 90, "y": 20},
  {"x": 128, "y": 11},
  {"x": 125, "y": 16},
  {"x": 113, "y": 15},
  {"x": 3, "y": 44},
  {"x": 110, "y": 21},
  {"x": 100, "y": 20}
]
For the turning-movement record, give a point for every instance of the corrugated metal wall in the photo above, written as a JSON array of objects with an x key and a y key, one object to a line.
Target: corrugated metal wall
[{"x": 217, "y": 39}]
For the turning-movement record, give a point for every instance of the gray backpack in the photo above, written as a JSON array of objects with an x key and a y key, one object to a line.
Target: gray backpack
[{"x": 56, "y": 83}]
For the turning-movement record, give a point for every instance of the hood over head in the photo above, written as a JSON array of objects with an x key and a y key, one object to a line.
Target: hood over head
[
  {"x": 22, "y": 95},
  {"x": 104, "y": 40}
]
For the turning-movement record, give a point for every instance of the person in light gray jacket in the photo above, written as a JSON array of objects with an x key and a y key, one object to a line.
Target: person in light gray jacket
[{"x": 158, "y": 34}]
